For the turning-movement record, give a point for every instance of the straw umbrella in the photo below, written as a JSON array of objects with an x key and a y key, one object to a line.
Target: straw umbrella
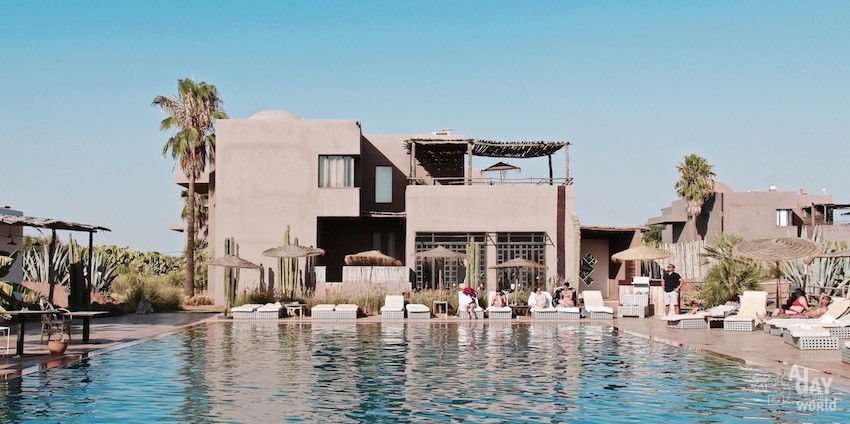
[
  {"x": 233, "y": 261},
  {"x": 641, "y": 253},
  {"x": 777, "y": 250},
  {"x": 517, "y": 264},
  {"x": 440, "y": 253},
  {"x": 371, "y": 259},
  {"x": 293, "y": 251}
]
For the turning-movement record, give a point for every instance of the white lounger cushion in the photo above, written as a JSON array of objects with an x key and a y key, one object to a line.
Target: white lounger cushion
[
  {"x": 347, "y": 307},
  {"x": 248, "y": 307},
  {"x": 324, "y": 307},
  {"x": 720, "y": 311},
  {"x": 417, "y": 307},
  {"x": 270, "y": 307},
  {"x": 738, "y": 318},
  {"x": 566, "y": 309},
  {"x": 815, "y": 332},
  {"x": 393, "y": 303},
  {"x": 699, "y": 315},
  {"x": 606, "y": 309}
]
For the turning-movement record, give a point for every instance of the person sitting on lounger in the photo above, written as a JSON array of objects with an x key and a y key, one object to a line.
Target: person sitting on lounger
[
  {"x": 470, "y": 307},
  {"x": 798, "y": 307},
  {"x": 823, "y": 305},
  {"x": 499, "y": 300},
  {"x": 539, "y": 299},
  {"x": 565, "y": 297}
]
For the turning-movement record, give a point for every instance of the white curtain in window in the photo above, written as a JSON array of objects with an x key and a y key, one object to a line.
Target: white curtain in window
[{"x": 336, "y": 171}]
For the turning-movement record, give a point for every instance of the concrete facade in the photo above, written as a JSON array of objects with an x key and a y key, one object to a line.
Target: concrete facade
[
  {"x": 753, "y": 215},
  {"x": 266, "y": 177}
]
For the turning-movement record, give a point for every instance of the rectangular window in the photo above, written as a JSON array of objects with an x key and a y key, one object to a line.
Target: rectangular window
[
  {"x": 376, "y": 241},
  {"x": 784, "y": 217},
  {"x": 391, "y": 244},
  {"x": 336, "y": 171},
  {"x": 453, "y": 271},
  {"x": 383, "y": 184}
]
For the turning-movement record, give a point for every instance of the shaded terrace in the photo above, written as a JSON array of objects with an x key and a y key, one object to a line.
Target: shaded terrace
[{"x": 443, "y": 160}]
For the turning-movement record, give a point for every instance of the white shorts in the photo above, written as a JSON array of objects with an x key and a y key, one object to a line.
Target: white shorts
[{"x": 671, "y": 298}]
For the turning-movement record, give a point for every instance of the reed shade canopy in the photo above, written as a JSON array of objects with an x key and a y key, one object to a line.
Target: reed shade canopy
[
  {"x": 232, "y": 261},
  {"x": 371, "y": 258},
  {"x": 834, "y": 255},
  {"x": 440, "y": 253},
  {"x": 641, "y": 253},
  {"x": 777, "y": 250},
  {"x": 293, "y": 251},
  {"x": 517, "y": 264}
]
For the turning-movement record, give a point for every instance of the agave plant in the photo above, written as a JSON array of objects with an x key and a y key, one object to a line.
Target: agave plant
[
  {"x": 36, "y": 264},
  {"x": 822, "y": 275},
  {"x": 8, "y": 288},
  {"x": 104, "y": 272}
]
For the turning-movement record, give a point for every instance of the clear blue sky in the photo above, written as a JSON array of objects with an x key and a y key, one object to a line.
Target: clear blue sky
[{"x": 761, "y": 89}]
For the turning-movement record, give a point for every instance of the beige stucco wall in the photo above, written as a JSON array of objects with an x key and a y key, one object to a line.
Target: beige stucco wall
[
  {"x": 490, "y": 209},
  {"x": 267, "y": 178}
]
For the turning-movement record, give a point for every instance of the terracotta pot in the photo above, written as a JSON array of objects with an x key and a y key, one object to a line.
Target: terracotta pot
[{"x": 57, "y": 347}]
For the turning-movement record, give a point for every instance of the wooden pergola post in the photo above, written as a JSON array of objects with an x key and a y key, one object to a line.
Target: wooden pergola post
[
  {"x": 413, "y": 160},
  {"x": 567, "y": 164},
  {"x": 469, "y": 163},
  {"x": 50, "y": 276},
  {"x": 550, "y": 170},
  {"x": 91, "y": 272}
]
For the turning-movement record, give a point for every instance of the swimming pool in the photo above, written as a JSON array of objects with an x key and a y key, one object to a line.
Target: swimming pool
[{"x": 347, "y": 372}]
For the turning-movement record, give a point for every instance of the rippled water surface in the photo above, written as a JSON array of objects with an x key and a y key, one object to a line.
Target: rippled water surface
[{"x": 335, "y": 372}]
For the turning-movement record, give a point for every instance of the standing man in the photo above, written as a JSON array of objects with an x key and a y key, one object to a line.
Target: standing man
[{"x": 672, "y": 284}]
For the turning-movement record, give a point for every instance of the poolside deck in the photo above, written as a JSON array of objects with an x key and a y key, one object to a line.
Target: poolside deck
[
  {"x": 106, "y": 334},
  {"x": 756, "y": 349}
]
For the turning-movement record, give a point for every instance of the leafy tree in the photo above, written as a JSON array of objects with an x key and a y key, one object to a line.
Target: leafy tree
[
  {"x": 695, "y": 185},
  {"x": 728, "y": 275},
  {"x": 191, "y": 115}
]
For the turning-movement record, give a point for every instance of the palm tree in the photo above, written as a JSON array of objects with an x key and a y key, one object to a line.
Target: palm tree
[
  {"x": 191, "y": 115},
  {"x": 695, "y": 184},
  {"x": 201, "y": 208},
  {"x": 728, "y": 276}
]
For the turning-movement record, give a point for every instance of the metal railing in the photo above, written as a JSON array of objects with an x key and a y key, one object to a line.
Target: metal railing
[{"x": 490, "y": 181}]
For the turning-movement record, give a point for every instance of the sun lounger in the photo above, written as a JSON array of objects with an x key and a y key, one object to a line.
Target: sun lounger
[
  {"x": 686, "y": 321},
  {"x": 323, "y": 311},
  {"x": 245, "y": 311},
  {"x": 845, "y": 353},
  {"x": 810, "y": 339},
  {"x": 418, "y": 311},
  {"x": 462, "y": 302},
  {"x": 547, "y": 312},
  {"x": 753, "y": 304},
  {"x": 497, "y": 312},
  {"x": 635, "y": 305},
  {"x": 393, "y": 307},
  {"x": 838, "y": 309},
  {"x": 568, "y": 312},
  {"x": 595, "y": 307},
  {"x": 346, "y": 311},
  {"x": 269, "y": 311}
]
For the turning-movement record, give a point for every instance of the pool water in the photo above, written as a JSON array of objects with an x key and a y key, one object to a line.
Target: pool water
[{"x": 346, "y": 372}]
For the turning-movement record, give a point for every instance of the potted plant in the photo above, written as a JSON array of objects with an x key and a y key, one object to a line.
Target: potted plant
[{"x": 57, "y": 346}]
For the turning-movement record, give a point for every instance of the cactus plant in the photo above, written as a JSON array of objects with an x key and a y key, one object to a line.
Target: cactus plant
[
  {"x": 76, "y": 280},
  {"x": 472, "y": 263},
  {"x": 231, "y": 275},
  {"x": 287, "y": 270}
]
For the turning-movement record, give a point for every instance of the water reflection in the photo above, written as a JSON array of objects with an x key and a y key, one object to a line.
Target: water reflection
[{"x": 348, "y": 372}]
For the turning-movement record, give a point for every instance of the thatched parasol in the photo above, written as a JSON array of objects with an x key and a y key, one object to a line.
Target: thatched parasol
[
  {"x": 834, "y": 255},
  {"x": 440, "y": 253},
  {"x": 502, "y": 168},
  {"x": 517, "y": 264},
  {"x": 641, "y": 253},
  {"x": 371, "y": 258},
  {"x": 777, "y": 250},
  {"x": 233, "y": 261},
  {"x": 293, "y": 251}
]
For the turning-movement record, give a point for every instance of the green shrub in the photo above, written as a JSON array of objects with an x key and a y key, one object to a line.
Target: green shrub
[
  {"x": 160, "y": 290},
  {"x": 198, "y": 300},
  {"x": 255, "y": 296},
  {"x": 729, "y": 276}
]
